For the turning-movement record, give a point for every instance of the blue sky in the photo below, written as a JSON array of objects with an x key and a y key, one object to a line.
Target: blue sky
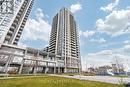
[{"x": 103, "y": 27}]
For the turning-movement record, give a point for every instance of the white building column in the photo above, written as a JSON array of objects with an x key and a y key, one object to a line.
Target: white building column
[
  {"x": 46, "y": 68},
  {"x": 55, "y": 68},
  {"x": 10, "y": 58},
  {"x": 21, "y": 67}
]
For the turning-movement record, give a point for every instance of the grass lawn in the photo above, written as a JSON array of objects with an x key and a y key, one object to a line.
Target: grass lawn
[{"x": 50, "y": 81}]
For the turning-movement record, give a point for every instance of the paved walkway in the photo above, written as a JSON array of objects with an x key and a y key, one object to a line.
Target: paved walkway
[{"x": 107, "y": 79}]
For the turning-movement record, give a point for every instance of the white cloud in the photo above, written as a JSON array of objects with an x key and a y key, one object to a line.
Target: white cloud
[
  {"x": 100, "y": 40},
  {"x": 75, "y": 7},
  {"x": 115, "y": 24},
  {"x": 128, "y": 7},
  {"x": 39, "y": 13},
  {"x": 37, "y": 28},
  {"x": 126, "y": 42},
  {"x": 109, "y": 44},
  {"x": 97, "y": 59},
  {"x": 110, "y": 6},
  {"x": 105, "y": 52},
  {"x": 101, "y": 54},
  {"x": 86, "y": 33},
  {"x": 104, "y": 57},
  {"x": 22, "y": 44},
  {"x": 126, "y": 48}
]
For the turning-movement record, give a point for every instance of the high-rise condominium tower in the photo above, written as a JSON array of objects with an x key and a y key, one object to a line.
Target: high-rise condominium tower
[
  {"x": 11, "y": 25},
  {"x": 64, "y": 40}
]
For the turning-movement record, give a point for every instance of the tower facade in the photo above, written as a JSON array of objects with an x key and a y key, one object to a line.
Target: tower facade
[
  {"x": 64, "y": 40},
  {"x": 11, "y": 25}
]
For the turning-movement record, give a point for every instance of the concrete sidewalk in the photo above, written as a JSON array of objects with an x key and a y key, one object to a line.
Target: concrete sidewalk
[{"x": 106, "y": 79}]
